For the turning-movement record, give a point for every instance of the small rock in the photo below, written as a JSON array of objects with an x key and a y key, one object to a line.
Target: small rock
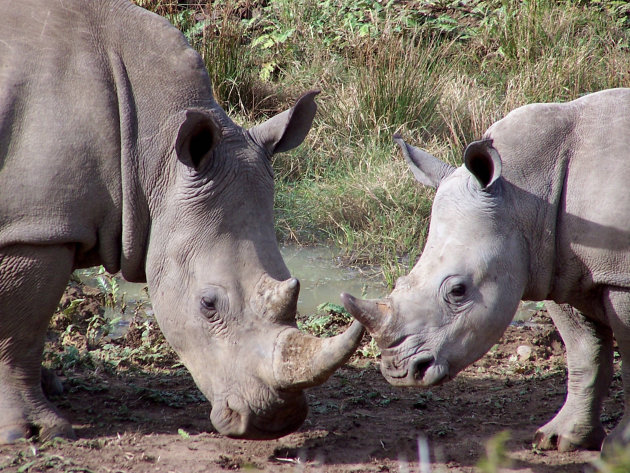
[{"x": 524, "y": 352}]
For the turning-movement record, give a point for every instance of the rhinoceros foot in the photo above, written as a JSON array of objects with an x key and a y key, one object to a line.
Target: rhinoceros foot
[
  {"x": 30, "y": 414},
  {"x": 61, "y": 428},
  {"x": 14, "y": 432},
  {"x": 45, "y": 428},
  {"x": 11, "y": 433},
  {"x": 566, "y": 435}
]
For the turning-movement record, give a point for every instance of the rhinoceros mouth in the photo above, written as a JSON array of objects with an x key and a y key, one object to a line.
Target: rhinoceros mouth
[
  {"x": 234, "y": 418},
  {"x": 429, "y": 374},
  {"x": 413, "y": 367},
  {"x": 426, "y": 376}
]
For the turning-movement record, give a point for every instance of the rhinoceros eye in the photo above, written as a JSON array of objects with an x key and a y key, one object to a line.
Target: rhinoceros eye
[
  {"x": 458, "y": 290},
  {"x": 214, "y": 305},
  {"x": 455, "y": 291},
  {"x": 209, "y": 307}
]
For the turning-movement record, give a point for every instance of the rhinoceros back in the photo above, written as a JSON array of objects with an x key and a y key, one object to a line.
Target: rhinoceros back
[
  {"x": 595, "y": 220},
  {"x": 84, "y": 93},
  {"x": 581, "y": 148},
  {"x": 59, "y": 166}
]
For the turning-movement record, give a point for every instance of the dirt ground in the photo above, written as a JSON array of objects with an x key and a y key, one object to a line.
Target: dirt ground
[{"x": 129, "y": 421}]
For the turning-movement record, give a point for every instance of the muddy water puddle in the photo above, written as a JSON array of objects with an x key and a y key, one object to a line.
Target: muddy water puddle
[{"x": 323, "y": 278}]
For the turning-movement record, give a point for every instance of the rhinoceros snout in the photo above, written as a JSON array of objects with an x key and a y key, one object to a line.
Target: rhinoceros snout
[
  {"x": 234, "y": 418},
  {"x": 422, "y": 370}
]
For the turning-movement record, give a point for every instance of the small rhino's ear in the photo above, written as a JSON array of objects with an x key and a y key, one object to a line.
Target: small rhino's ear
[
  {"x": 197, "y": 136},
  {"x": 483, "y": 161},
  {"x": 288, "y": 129},
  {"x": 427, "y": 169}
]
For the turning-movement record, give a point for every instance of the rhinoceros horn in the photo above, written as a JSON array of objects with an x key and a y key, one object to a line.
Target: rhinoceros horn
[
  {"x": 371, "y": 313},
  {"x": 301, "y": 361},
  {"x": 276, "y": 300}
]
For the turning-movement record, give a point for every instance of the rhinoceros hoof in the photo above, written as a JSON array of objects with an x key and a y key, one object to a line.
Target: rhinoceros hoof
[
  {"x": 48, "y": 426},
  {"x": 548, "y": 439},
  {"x": 13, "y": 432},
  {"x": 62, "y": 429}
]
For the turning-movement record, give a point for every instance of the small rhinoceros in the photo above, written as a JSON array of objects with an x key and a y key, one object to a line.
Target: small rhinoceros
[
  {"x": 540, "y": 210},
  {"x": 114, "y": 152}
]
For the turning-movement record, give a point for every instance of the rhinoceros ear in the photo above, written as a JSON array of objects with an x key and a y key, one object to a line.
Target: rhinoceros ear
[
  {"x": 427, "y": 169},
  {"x": 288, "y": 129},
  {"x": 483, "y": 161},
  {"x": 197, "y": 136}
]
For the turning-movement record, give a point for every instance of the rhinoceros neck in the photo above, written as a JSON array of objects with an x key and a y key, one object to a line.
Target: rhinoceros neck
[
  {"x": 157, "y": 75},
  {"x": 536, "y": 221},
  {"x": 534, "y": 143}
]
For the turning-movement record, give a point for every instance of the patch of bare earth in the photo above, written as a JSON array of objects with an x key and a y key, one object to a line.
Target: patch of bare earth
[{"x": 141, "y": 421}]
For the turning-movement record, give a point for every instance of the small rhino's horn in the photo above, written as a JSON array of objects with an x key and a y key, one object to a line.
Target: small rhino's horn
[{"x": 371, "y": 313}]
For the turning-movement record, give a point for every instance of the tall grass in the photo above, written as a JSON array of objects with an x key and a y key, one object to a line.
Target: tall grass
[
  {"x": 395, "y": 81},
  {"x": 546, "y": 50},
  {"x": 440, "y": 72}
]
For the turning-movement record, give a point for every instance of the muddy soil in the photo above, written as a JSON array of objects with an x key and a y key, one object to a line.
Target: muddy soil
[{"x": 155, "y": 420}]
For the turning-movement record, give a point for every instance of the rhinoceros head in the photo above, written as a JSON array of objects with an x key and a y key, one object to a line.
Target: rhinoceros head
[
  {"x": 462, "y": 293},
  {"x": 220, "y": 289}
]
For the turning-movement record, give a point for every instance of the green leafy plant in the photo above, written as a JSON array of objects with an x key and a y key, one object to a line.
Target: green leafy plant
[
  {"x": 369, "y": 350},
  {"x": 110, "y": 287},
  {"x": 496, "y": 455}
]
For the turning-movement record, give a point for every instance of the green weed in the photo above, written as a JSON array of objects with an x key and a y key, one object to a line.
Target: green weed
[
  {"x": 329, "y": 320},
  {"x": 85, "y": 340},
  {"x": 369, "y": 350},
  {"x": 496, "y": 455},
  {"x": 33, "y": 459}
]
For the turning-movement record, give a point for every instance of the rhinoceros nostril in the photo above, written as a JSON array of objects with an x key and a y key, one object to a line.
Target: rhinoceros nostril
[
  {"x": 230, "y": 419},
  {"x": 419, "y": 367}
]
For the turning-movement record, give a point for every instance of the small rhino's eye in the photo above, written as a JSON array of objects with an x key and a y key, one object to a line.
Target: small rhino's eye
[
  {"x": 213, "y": 306},
  {"x": 209, "y": 308},
  {"x": 458, "y": 290},
  {"x": 455, "y": 291}
]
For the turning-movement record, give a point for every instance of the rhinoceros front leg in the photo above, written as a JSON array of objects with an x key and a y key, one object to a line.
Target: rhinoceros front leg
[
  {"x": 32, "y": 279},
  {"x": 617, "y": 306},
  {"x": 589, "y": 357}
]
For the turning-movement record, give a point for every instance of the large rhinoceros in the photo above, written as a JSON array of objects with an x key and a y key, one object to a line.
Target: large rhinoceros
[
  {"x": 540, "y": 210},
  {"x": 114, "y": 152}
]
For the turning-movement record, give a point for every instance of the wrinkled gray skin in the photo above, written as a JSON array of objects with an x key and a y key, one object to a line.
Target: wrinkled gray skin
[
  {"x": 539, "y": 211},
  {"x": 114, "y": 152}
]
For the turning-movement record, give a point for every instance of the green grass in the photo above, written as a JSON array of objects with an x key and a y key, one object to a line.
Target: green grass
[{"x": 440, "y": 72}]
